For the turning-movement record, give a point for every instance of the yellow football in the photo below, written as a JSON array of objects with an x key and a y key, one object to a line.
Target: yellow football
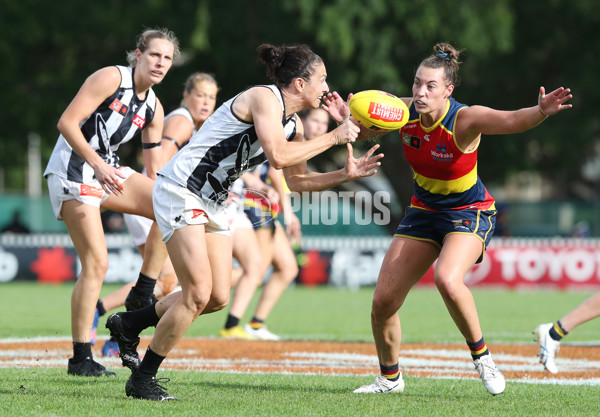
[{"x": 378, "y": 110}]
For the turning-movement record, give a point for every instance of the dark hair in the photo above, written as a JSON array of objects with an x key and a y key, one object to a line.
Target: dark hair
[
  {"x": 284, "y": 63},
  {"x": 446, "y": 56},
  {"x": 143, "y": 42}
]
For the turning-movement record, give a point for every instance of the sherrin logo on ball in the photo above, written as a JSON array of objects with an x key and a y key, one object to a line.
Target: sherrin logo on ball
[{"x": 378, "y": 110}]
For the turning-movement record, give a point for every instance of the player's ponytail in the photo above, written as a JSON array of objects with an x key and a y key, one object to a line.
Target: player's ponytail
[
  {"x": 445, "y": 56},
  {"x": 284, "y": 63}
]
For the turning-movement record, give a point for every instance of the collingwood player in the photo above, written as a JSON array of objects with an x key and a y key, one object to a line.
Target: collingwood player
[
  {"x": 112, "y": 106},
  {"x": 257, "y": 125}
]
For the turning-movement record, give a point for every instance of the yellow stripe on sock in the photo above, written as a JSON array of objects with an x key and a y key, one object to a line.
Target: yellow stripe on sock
[
  {"x": 480, "y": 351},
  {"x": 558, "y": 330},
  {"x": 391, "y": 376}
]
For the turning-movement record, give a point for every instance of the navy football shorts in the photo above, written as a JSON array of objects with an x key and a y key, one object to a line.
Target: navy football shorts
[
  {"x": 260, "y": 219},
  {"x": 435, "y": 226}
]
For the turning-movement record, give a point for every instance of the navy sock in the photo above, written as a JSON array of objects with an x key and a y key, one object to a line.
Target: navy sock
[
  {"x": 478, "y": 349},
  {"x": 391, "y": 373},
  {"x": 100, "y": 307},
  {"x": 232, "y": 321},
  {"x": 557, "y": 332},
  {"x": 256, "y": 323}
]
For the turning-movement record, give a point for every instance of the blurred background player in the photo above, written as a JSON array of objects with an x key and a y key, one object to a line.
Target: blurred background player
[
  {"x": 549, "y": 335},
  {"x": 274, "y": 249},
  {"x": 198, "y": 102},
  {"x": 112, "y": 106}
]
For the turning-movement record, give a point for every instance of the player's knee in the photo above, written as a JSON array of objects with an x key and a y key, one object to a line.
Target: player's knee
[
  {"x": 446, "y": 286},
  {"x": 97, "y": 268},
  {"x": 197, "y": 302},
  {"x": 219, "y": 301},
  {"x": 381, "y": 306},
  {"x": 293, "y": 270}
]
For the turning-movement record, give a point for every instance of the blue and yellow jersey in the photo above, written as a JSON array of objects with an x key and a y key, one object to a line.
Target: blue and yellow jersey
[
  {"x": 257, "y": 200},
  {"x": 445, "y": 175}
]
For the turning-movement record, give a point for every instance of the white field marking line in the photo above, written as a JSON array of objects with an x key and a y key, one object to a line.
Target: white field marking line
[
  {"x": 428, "y": 358},
  {"x": 332, "y": 363},
  {"x": 42, "y": 339},
  {"x": 548, "y": 381}
]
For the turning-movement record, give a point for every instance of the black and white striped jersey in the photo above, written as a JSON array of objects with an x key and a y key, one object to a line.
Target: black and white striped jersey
[
  {"x": 223, "y": 149},
  {"x": 117, "y": 120}
]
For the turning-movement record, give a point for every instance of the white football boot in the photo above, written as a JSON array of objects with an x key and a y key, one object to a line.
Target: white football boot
[
  {"x": 382, "y": 385},
  {"x": 492, "y": 378},
  {"x": 261, "y": 333},
  {"x": 548, "y": 346}
]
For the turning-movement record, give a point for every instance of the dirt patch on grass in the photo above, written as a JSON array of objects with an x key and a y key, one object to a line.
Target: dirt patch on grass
[{"x": 577, "y": 364}]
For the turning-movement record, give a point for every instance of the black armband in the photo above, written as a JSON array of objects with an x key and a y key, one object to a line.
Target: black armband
[
  {"x": 151, "y": 145},
  {"x": 172, "y": 140}
]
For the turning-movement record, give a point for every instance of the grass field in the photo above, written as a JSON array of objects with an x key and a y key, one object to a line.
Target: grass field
[{"x": 319, "y": 314}]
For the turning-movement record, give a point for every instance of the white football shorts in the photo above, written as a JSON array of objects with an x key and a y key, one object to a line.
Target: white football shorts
[
  {"x": 61, "y": 190},
  {"x": 139, "y": 227},
  {"x": 176, "y": 207}
]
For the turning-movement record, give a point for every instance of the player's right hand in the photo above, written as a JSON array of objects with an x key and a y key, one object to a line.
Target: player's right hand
[{"x": 347, "y": 132}]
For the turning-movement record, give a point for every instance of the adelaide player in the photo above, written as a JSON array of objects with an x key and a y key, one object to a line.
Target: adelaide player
[{"x": 451, "y": 217}]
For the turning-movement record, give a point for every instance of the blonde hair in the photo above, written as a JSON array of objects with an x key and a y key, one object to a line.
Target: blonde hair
[
  {"x": 195, "y": 79},
  {"x": 147, "y": 36}
]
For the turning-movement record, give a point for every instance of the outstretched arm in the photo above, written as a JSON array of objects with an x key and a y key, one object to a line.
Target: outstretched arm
[
  {"x": 476, "y": 120},
  {"x": 265, "y": 111},
  {"x": 300, "y": 179}
]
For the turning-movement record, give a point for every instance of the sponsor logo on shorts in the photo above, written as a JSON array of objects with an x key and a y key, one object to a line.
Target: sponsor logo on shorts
[
  {"x": 197, "y": 213},
  {"x": 462, "y": 224},
  {"x": 88, "y": 190},
  {"x": 139, "y": 122}
]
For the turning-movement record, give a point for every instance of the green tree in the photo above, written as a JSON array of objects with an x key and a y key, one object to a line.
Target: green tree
[{"x": 511, "y": 48}]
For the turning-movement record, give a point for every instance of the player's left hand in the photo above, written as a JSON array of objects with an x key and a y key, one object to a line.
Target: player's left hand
[
  {"x": 365, "y": 166},
  {"x": 553, "y": 102}
]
